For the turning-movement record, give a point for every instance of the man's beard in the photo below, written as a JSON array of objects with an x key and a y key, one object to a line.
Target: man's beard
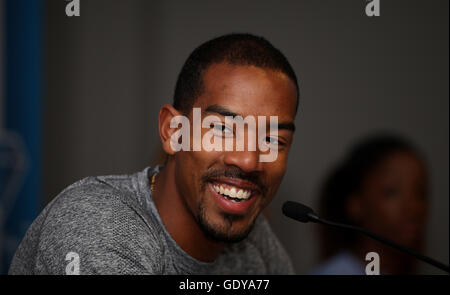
[{"x": 221, "y": 233}]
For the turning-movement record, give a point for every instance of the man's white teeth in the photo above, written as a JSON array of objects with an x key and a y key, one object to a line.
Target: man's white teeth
[{"x": 235, "y": 193}]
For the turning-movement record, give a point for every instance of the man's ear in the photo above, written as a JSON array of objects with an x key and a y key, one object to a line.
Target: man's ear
[{"x": 166, "y": 114}]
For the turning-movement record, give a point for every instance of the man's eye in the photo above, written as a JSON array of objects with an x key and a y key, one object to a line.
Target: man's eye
[
  {"x": 275, "y": 142},
  {"x": 271, "y": 140},
  {"x": 221, "y": 129}
]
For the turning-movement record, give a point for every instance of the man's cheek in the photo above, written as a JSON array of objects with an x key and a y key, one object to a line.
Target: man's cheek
[
  {"x": 276, "y": 184},
  {"x": 278, "y": 168}
]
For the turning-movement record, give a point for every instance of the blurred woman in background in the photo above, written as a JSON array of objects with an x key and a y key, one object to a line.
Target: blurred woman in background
[{"x": 382, "y": 185}]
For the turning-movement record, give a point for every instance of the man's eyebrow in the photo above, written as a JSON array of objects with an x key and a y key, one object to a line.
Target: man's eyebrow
[{"x": 220, "y": 110}]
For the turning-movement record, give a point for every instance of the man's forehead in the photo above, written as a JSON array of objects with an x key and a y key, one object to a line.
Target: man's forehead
[
  {"x": 223, "y": 76},
  {"x": 248, "y": 90}
]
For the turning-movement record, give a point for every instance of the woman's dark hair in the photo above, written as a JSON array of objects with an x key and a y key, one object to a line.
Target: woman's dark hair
[{"x": 346, "y": 179}]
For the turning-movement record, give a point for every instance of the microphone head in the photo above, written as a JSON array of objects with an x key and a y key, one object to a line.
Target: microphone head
[{"x": 297, "y": 211}]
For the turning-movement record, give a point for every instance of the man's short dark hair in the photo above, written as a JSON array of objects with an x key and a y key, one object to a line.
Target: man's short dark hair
[{"x": 235, "y": 49}]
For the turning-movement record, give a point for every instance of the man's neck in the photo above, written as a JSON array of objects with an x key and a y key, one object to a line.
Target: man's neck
[{"x": 177, "y": 219}]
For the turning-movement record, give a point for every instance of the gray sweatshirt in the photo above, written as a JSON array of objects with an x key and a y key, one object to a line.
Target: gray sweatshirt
[{"x": 110, "y": 225}]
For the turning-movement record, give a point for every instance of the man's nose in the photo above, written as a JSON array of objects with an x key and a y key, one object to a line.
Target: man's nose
[{"x": 247, "y": 161}]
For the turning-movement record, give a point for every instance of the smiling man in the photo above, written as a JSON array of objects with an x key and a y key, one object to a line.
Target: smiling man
[{"x": 201, "y": 212}]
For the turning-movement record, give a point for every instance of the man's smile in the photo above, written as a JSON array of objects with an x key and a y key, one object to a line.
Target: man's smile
[{"x": 233, "y": 195}]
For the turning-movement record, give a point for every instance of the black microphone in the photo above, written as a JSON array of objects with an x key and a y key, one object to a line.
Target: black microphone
[{"x": 305, "y": 214}]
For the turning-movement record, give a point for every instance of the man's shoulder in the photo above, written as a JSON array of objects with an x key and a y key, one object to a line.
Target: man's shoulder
[
  {"x": 104, "y": 194},
  {"x": 100, "y": 219},
  {"x": 110, "y": 185},
  {"x": 101, "y": 203}
]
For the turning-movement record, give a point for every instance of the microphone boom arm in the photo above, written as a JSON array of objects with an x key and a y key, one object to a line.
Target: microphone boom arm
[
  {"x": 316, "y": 219},
  {"x": 305, "y": 214}
]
